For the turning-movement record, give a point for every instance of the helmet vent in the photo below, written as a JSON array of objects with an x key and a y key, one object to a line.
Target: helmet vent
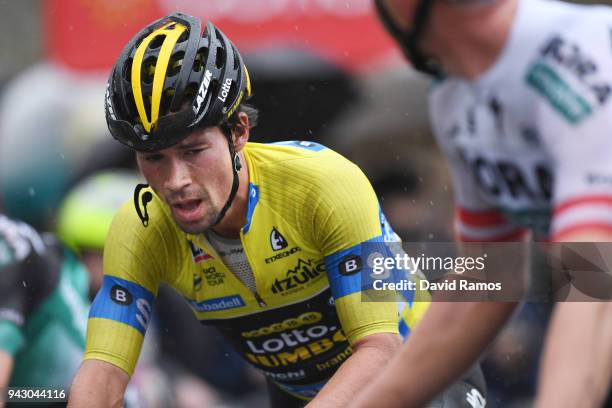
[
  {"x": 189, "y": 93},
  {"x": 157, "y": 42},
  {"x": 176, "y": 62},
  {"x": 184, "y": 36},
  {"x": 200, "y": 58},
  {"x": 148, "y": 70},
  {"x": 164, "y": 107},
  {"x": 220, "y": 60}
]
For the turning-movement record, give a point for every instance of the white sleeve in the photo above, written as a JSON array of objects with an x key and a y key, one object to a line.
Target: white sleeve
[{"x": 574, "y": 117}]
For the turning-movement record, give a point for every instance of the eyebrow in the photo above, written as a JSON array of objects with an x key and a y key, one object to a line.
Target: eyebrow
[{"x": 190, "y": 145}]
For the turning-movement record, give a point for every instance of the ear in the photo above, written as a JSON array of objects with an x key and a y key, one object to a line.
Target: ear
[{"x": 241, "y": 132}]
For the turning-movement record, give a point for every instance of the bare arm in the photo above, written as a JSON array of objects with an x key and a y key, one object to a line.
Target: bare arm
[
  {"x": 6, "y": 367},
  {"x": 443, "y": 346},
  {"x": 98, "y": 384},
  {"x": 577, "y": 361},
  {"x": 370, "y": 355}
]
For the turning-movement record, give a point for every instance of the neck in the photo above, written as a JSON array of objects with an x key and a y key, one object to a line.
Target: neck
[
  {"x": 469, "y": 39},
  {"x": 235, "y": 217}
]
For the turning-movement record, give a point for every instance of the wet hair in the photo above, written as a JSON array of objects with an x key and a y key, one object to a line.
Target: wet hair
[{"x": 233, "y": 122}]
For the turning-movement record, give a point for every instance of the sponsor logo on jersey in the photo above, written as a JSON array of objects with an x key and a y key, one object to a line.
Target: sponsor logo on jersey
[
  {"x": 503, "y": 178},
  {"x": 572, "y": 58},
  {"x": 218, "y": 304},
  {"x": 12, "y": 315},
  {"x": 197, "y": 253},
  {"x": 213, "y": 277},
  {"x": 231, "y": 251},
  {"x": 475, "y": 399},
  {"x": 121, "y": 295},
  {"x": 123, "y": 301},
  {"x": 283, "y": 254},
  {"x": 297, "y": 345},
  {"x": 296, "y": 278},
  {"x": 599, "y": 179},
  {"x": 143, "y": 315},
  {"x": 277, "y": 241},
  {"x": 561, "y": 96},
  {"x": 287, "y": 324},
  {"x": 286, "y": 376},
  {"x": 350, "y": 265},
  {"x": 197, "y": 281},
  {"x": 21, "y": 237}
]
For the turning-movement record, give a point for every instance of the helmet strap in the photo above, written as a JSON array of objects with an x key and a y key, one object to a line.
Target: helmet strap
[
  {"x": 236, "y": 166},
  {"x": 409, "y": 39}
]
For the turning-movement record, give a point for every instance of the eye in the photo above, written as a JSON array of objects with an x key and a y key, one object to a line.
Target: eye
[
  {"x": 194, "y": 152},
  {"x": 154, "y": 158}
]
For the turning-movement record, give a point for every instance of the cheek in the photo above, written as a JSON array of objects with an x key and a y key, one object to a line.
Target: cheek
[{"x": 212, "y": 173}]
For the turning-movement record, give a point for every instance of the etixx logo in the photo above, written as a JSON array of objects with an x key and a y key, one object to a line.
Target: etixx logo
[{"x": 277, "y": 241}]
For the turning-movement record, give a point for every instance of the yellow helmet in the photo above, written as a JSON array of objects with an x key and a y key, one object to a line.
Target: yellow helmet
[{"x": 171, "y": 78}]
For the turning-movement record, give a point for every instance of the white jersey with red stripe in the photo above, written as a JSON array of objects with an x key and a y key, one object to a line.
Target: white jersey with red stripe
[{"x": 529, "y": 142}]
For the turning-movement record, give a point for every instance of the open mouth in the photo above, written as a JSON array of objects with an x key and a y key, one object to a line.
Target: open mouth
[{"x": 187, "y": 210}]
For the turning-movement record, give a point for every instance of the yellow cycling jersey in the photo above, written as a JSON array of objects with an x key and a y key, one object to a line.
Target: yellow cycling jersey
[{"x": 310, "y": 211}]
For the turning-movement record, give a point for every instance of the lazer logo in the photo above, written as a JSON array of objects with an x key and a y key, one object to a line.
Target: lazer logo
[
  {"x": 109, "y": 104},
  {"x": 198, "y": 253},
  {"x": 277, "y": 241},
  {"x": 202, "y": 91},
  {"x": 304, "y": 272}
]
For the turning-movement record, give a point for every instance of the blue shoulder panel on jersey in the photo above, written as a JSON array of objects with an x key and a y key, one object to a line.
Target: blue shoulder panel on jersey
[
  {"x": 253, "y": 200},
  {"x": 350, "y": 270},
  {"x": 315, "y": 147},
  {"x": 123, "y": 301},
  {"x": 403, "y": 328}
]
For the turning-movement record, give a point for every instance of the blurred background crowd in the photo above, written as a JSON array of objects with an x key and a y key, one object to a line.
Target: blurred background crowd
[{"x": 322, "y": 70}]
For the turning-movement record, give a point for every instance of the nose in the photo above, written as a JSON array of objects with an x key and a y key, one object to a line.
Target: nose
[{"x": 178, "y": 175}]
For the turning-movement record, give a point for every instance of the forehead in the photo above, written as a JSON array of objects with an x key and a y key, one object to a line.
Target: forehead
[
  {"x": 401, "y": 11},
  {"x": 209, "y": 135}
]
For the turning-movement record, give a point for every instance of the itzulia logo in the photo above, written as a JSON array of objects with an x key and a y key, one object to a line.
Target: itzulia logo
[{"x": 141, "y": 199}]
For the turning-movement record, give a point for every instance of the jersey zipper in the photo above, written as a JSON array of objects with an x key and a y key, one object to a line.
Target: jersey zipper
[
  {"x": 211, "y": 249},
  {"x": 260, "y": 301}
]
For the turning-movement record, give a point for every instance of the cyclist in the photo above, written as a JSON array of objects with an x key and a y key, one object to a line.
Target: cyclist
[
  {"x": 43, "y": 309},
  {"x": 267, "y": 243},
  {"x": 522, "y": 111}
]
